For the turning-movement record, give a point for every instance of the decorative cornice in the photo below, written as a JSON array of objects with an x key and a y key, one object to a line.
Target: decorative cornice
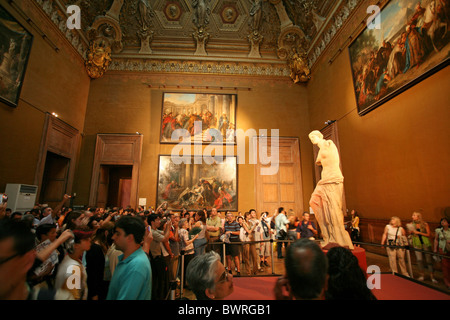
[
  {"x": 57, "y": 14},
  {"x": 55, "y": 10},
  {"x": 196, "y": 67},
  {"x": 330, "y": 31}
]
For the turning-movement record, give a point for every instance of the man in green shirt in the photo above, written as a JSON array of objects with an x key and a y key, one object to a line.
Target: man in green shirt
[{"x": 132, "y": 278}]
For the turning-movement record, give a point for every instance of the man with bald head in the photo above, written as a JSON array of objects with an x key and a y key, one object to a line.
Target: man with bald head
[{"x": 306, "y": 272}]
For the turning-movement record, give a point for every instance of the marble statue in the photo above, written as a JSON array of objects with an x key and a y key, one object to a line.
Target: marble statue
[{"x": 326, "y": 200}]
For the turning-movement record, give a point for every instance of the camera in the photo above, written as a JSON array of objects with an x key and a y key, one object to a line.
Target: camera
[
  {"x": 68, "y": 245},
  {"x": 3, "y": 198}
]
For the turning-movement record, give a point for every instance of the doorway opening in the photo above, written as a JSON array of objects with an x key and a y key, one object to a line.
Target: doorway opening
[
  {"x": 54, "y": 180},
  {"x": 115, "y": 186}
]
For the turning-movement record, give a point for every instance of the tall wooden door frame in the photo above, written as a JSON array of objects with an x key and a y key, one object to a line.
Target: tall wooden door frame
[
  {"x": 62, "y": 139},
  {"x": 294, "y": 143},
  {"x": 117, "y": 149}
]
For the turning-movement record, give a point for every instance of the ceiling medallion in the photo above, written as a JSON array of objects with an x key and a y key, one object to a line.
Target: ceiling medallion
[
  {"x": 172, "y": 11},
  {"x": 229, "y": 14}
]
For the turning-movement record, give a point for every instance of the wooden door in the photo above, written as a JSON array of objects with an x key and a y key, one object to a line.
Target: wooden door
[
  {"x": 54, "y": 182},
  {"x": 124, "y": 192},
  {"x": 116, "y": 150},
  {"x": 103, "y": 186},
  {"x": 284, "y": 188},
  {"x": 58, "y": 139}
]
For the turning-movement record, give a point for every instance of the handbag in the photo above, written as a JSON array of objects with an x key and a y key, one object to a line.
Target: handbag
[
  {"x": 265, "y": 229},
  {"x": 282, "y": 234}
]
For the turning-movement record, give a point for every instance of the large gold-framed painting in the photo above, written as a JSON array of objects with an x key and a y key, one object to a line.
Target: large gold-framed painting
[
  {"x": 406, "y": 43},
  {"x": 198, "y": 118},
  {"x": 15, "y": 46},
  {"x": 196, "y": 185}
]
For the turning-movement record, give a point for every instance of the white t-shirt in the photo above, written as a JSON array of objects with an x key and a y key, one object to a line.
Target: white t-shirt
[
  {"x": 71, "y": 280},
  {"x": 392, "y": 231}
]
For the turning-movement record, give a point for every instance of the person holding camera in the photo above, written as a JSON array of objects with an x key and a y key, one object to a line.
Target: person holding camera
[
  {"x": 159, "y": 267},
  {"x": 420, "y": 235},
  {"x": 394, "y": 235}
]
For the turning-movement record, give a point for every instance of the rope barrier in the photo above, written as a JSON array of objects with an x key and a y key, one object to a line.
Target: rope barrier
[{"x": 407, "y": 248}]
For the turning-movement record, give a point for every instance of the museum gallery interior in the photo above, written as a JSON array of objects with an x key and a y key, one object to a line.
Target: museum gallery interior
[{"x": 98, "y": 99}]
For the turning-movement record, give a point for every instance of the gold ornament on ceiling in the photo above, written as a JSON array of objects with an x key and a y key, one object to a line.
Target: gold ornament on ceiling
[
  {"x": 298, "y": 63},
  {"x": 98, "y": 58}
]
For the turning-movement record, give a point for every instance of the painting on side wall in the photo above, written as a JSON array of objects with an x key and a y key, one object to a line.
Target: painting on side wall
[
  {"x": 198, "y": 118},
  {"x": 408, "y": 41},
  {"x": 15, "y": 46},
  {"x": 196, "y": 184}
]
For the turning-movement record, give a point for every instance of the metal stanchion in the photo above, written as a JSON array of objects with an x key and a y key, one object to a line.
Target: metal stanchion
[
  {"x": 173, "y": 289},
  {"x": 182, "y": 273},
  {"x": 224, "y": 255},
  {"x": 408, "y": 255},
  {"x": 271, "y": 256}
]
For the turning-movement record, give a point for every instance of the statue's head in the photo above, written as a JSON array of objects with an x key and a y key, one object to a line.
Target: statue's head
[{"x": 315, "y": 136}]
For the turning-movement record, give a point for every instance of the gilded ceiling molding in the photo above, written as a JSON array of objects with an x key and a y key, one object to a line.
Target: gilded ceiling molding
[
  {"x": 285, "y": 22},
  {"x": 291, "y": 47},
  {"x": 330, "y": 32},
  {"x": 200, "y": 67},
  {"x": 105, "y": 37},
  {"x": 292, "y": 44},
  {"x": 54, "y": 10}
]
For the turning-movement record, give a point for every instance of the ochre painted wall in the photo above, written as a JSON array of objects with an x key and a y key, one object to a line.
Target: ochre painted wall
[
  {"x": 54, "y": 82},
  {"x": 124, "y": 103},
  {"x": 396, "y": 158}
]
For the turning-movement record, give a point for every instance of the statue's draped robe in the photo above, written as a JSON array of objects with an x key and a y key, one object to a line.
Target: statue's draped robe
[{"x": 326, "y": 202}]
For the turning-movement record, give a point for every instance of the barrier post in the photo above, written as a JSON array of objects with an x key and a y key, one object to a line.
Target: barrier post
[
  {"x": 408, "y": 257},
  {"x": 271, "y": 256},
  {"x": 173, "y": 288},
  {"x": 182, "y": 274},
  {"x": 224, "y": 255}
]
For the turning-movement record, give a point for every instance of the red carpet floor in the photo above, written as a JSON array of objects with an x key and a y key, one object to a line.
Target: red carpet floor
[{"x": 391, "y": 288}]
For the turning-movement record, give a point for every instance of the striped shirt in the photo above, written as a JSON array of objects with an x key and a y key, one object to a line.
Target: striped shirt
[{"x": 233, "y": 227}]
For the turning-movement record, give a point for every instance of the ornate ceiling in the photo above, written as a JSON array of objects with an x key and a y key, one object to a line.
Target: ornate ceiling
[{"x": 244, "y": 37}]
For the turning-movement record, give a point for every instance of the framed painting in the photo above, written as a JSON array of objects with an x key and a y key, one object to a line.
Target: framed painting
[
  {"x": 15, "y": 46},
  {"x": 197, "y": 185},
  {"x": 408, "y": 42},
  {"x": 198, "y": 118}
]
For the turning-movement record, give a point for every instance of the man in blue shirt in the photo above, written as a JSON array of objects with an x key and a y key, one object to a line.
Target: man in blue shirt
[
  {"x": 306, "y": 229},
  {"x": 132, "y": 278},
  {"x": 281, "y": 223}
]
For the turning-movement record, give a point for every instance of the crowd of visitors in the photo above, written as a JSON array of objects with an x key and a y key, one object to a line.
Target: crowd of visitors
[{"x": 126, "y": 254}]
